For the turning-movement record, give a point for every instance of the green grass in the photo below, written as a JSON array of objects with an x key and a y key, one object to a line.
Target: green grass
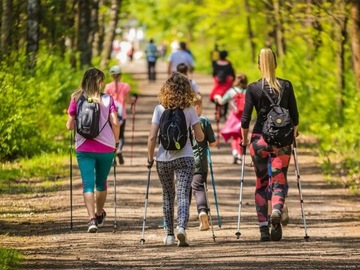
[
  {"x": 9, "y": 258},
  {"x": 38, "y": 174},
  {"x": 345, "y": 169}
]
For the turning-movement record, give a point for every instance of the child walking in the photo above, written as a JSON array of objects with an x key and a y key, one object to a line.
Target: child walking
[
  {"x": 120, "y": 91},
  {"x": 184, "y": 69},
  {"x": 201, "y": 165},
  {"x": 232, "y": 128},
  {"x": 175, "y": 93}
]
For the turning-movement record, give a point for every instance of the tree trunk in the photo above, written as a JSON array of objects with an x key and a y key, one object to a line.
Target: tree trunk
[
  {"x": 33, "y": 12},
  {"x": 250, "y": 32},
  {"x": 84, "y": 33},
  {"x": 355, "y": 40},
  {"x": 278, "y": 29},
  {"x": 110, "y": 32},
  {"x": 5, "y": 43},
  {"x": 94, "y": 24},
  {"x": 99, "y": 33},
  {"x": 73, "y": 23},
  {"x": 63, "y": 12},
  {"x": 342, "y": 38}
]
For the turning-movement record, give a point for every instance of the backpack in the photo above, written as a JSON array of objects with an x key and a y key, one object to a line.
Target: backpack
[
  {"x": 173, "y": 133},
  {"x": 278, "y": 128},
  {"x": 221, "y": 75},
  {"x": 239, "y": 101},
  {"x": 88, "y": 118}
]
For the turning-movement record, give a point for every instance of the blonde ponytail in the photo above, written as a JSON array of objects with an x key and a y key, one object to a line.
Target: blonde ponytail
[{"x": 267, "y": 65}]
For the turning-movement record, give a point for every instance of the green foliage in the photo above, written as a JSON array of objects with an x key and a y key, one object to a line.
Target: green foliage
[
  {"x": 9, "y": 258},
  {"x": 34, "y": 105},
  {"x": 312, "y": 35},
  {"x": 41, "y": 173}
]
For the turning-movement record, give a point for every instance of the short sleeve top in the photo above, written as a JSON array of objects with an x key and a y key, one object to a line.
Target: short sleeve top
[
  {"x": 105, "y": 141},
  {"x": 186, "y": 151},
  {"x": 118, "y": 90}
]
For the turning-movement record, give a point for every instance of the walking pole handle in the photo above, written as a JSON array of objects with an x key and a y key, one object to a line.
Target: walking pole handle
[
  {"x": 294, "y": 142},
  {"x": 243, "y": 148}
]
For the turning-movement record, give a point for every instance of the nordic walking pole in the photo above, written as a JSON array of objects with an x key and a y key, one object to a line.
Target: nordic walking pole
[
  {"x": 297, "y": 173},
  {"x": 142, "y": 240},
  {"x": 208, "y": 203},
  {"x": 214, "y": 187},
  {"x": 241, "y": 189},
  {"x": 133, "y": 110},
  {"x": 217, "y": 118},
  {"x": 71, "y": 212},
  {"x": 114, "y": 165}
]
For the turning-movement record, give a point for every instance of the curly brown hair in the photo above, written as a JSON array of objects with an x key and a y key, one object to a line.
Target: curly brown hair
[{"x": 176, "y": 92}]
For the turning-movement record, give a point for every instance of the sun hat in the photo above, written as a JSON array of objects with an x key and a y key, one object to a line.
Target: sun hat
[{"x": 115, "y": 70}]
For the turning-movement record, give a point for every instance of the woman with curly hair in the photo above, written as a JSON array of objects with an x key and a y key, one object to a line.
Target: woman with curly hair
[{"x": 175, "y": 93}]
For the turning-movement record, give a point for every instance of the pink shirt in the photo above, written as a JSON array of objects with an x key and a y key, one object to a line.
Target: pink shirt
[
  {"x": 105, "y": 141},
  {"x": 118, "y": 90}
]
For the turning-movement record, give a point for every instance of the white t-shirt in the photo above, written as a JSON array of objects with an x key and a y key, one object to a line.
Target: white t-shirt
[{"x": 168, "y": 155}]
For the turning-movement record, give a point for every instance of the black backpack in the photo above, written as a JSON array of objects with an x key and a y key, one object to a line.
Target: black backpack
[
  {"x": 278, "y": 128},
  {"x": 88, "y": 118},
  {"x": 173, "y": 133}
]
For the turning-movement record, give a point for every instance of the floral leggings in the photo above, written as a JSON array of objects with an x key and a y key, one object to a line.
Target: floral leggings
[
  {"x": 260, "y": 151},
  {"x": 184, "y": 169}
]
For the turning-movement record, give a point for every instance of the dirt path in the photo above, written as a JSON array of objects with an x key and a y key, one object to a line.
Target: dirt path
[{"x": 38, "y": 224}]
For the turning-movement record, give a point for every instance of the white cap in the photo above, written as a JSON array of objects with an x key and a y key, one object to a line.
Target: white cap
[{"x": 115, "y": 70}]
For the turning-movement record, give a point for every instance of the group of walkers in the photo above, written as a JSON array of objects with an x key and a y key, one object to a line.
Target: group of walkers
[{"x": 188, "y": 163}]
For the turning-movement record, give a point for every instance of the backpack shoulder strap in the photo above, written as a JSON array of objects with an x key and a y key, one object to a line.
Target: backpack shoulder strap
[
  {"x": 271, "y": 100},
  {"x": 236, "y": 91},
  {"x": 268, "y": 96}
]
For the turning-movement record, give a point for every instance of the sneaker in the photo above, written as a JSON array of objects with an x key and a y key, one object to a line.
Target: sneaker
[
  {"x": 204, "y": 222},
  {"x": 285, "y": 216},
  {"x": 101, "y": 219},
  {"x": 276, "y": 231},
  {"x": 92, "y": 226},
  {"x": 169, "y": 240},
  {"x": 264, "y": 233},
  {"x": 237, "y": 160},
  {"x": 181, "y": 236},
  {"x": 120, "y": 157}
]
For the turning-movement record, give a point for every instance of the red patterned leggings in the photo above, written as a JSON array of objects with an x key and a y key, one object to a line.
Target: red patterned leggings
[{"x": 260, "y": 151}]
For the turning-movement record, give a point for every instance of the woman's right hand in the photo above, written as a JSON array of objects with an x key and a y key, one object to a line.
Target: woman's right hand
[{"x": 244, "y": 142}]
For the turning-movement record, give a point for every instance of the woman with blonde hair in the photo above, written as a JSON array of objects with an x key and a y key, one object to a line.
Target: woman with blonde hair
[
  {"x": 175, "y": 93},
  {"x": 95, "y": 155},
  {"x": 281, "y": 89}
]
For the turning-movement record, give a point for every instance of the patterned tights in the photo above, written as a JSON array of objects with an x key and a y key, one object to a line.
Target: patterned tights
[
  {"x": 183, "y": 168},
  {"x": 259, "y": 152}
]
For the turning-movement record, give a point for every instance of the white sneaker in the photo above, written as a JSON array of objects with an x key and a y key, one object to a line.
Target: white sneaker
[
  {"x": 285, "y": 216},
  {"x": 181, "y": 236},
  {"x": 204, "y": 222},
  {"x": 169, "y": 240}
]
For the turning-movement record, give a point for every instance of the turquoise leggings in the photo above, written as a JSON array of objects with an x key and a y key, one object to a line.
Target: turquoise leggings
[{"x": 94, "y": 169}]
